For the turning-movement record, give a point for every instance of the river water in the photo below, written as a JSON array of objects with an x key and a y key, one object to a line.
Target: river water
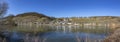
[{"x": 56, "y": 33}]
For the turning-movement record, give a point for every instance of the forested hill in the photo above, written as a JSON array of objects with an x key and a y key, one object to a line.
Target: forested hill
[
  {"x": 31, "y": 14},
  {"x": 27, "y": 18},
  {"x": 32, "y": 17},
  {"x": 34, "y": 14}
]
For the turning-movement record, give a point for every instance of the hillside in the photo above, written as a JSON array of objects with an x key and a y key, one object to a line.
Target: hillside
[
  {"x": 95, "y": 19},
  {"x": 32, "y": 17},
  {"x": 38, "y": 18},
  {"x": 29, "y": 17}
]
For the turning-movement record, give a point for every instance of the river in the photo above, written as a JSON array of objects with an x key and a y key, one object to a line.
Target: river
[{"x": 56, "y": 33}]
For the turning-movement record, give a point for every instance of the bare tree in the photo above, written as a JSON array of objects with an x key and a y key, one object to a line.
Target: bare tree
[{"x": 3, "y": 8}]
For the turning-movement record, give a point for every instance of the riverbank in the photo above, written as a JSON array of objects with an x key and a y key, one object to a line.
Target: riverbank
[{"x": 114, "y": 36}]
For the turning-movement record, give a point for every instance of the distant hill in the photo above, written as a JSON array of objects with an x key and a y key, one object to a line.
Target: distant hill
[
  {"x": 107, "y": 18},
  {"x": 32, "y": 17},
  {"x": 96, "y": 19},
  {"x": 32, "y": 14},
  {"x": 28, "y": 17}
]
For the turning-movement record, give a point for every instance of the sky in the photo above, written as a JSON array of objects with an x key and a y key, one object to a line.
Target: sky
[{"x": 66, "y": 8}]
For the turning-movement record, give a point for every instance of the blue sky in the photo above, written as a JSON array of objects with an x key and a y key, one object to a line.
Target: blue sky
[{"x": 66, "y": 8}]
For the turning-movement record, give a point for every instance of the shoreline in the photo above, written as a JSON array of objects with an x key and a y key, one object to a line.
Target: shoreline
[{"x": 114, "y": 36}]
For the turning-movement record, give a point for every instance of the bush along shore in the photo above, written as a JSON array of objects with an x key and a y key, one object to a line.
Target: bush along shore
[{"x": 114, "y": 36}]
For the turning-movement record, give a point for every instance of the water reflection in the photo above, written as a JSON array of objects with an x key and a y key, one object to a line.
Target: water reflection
[{"x": 56, "y": 34}]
